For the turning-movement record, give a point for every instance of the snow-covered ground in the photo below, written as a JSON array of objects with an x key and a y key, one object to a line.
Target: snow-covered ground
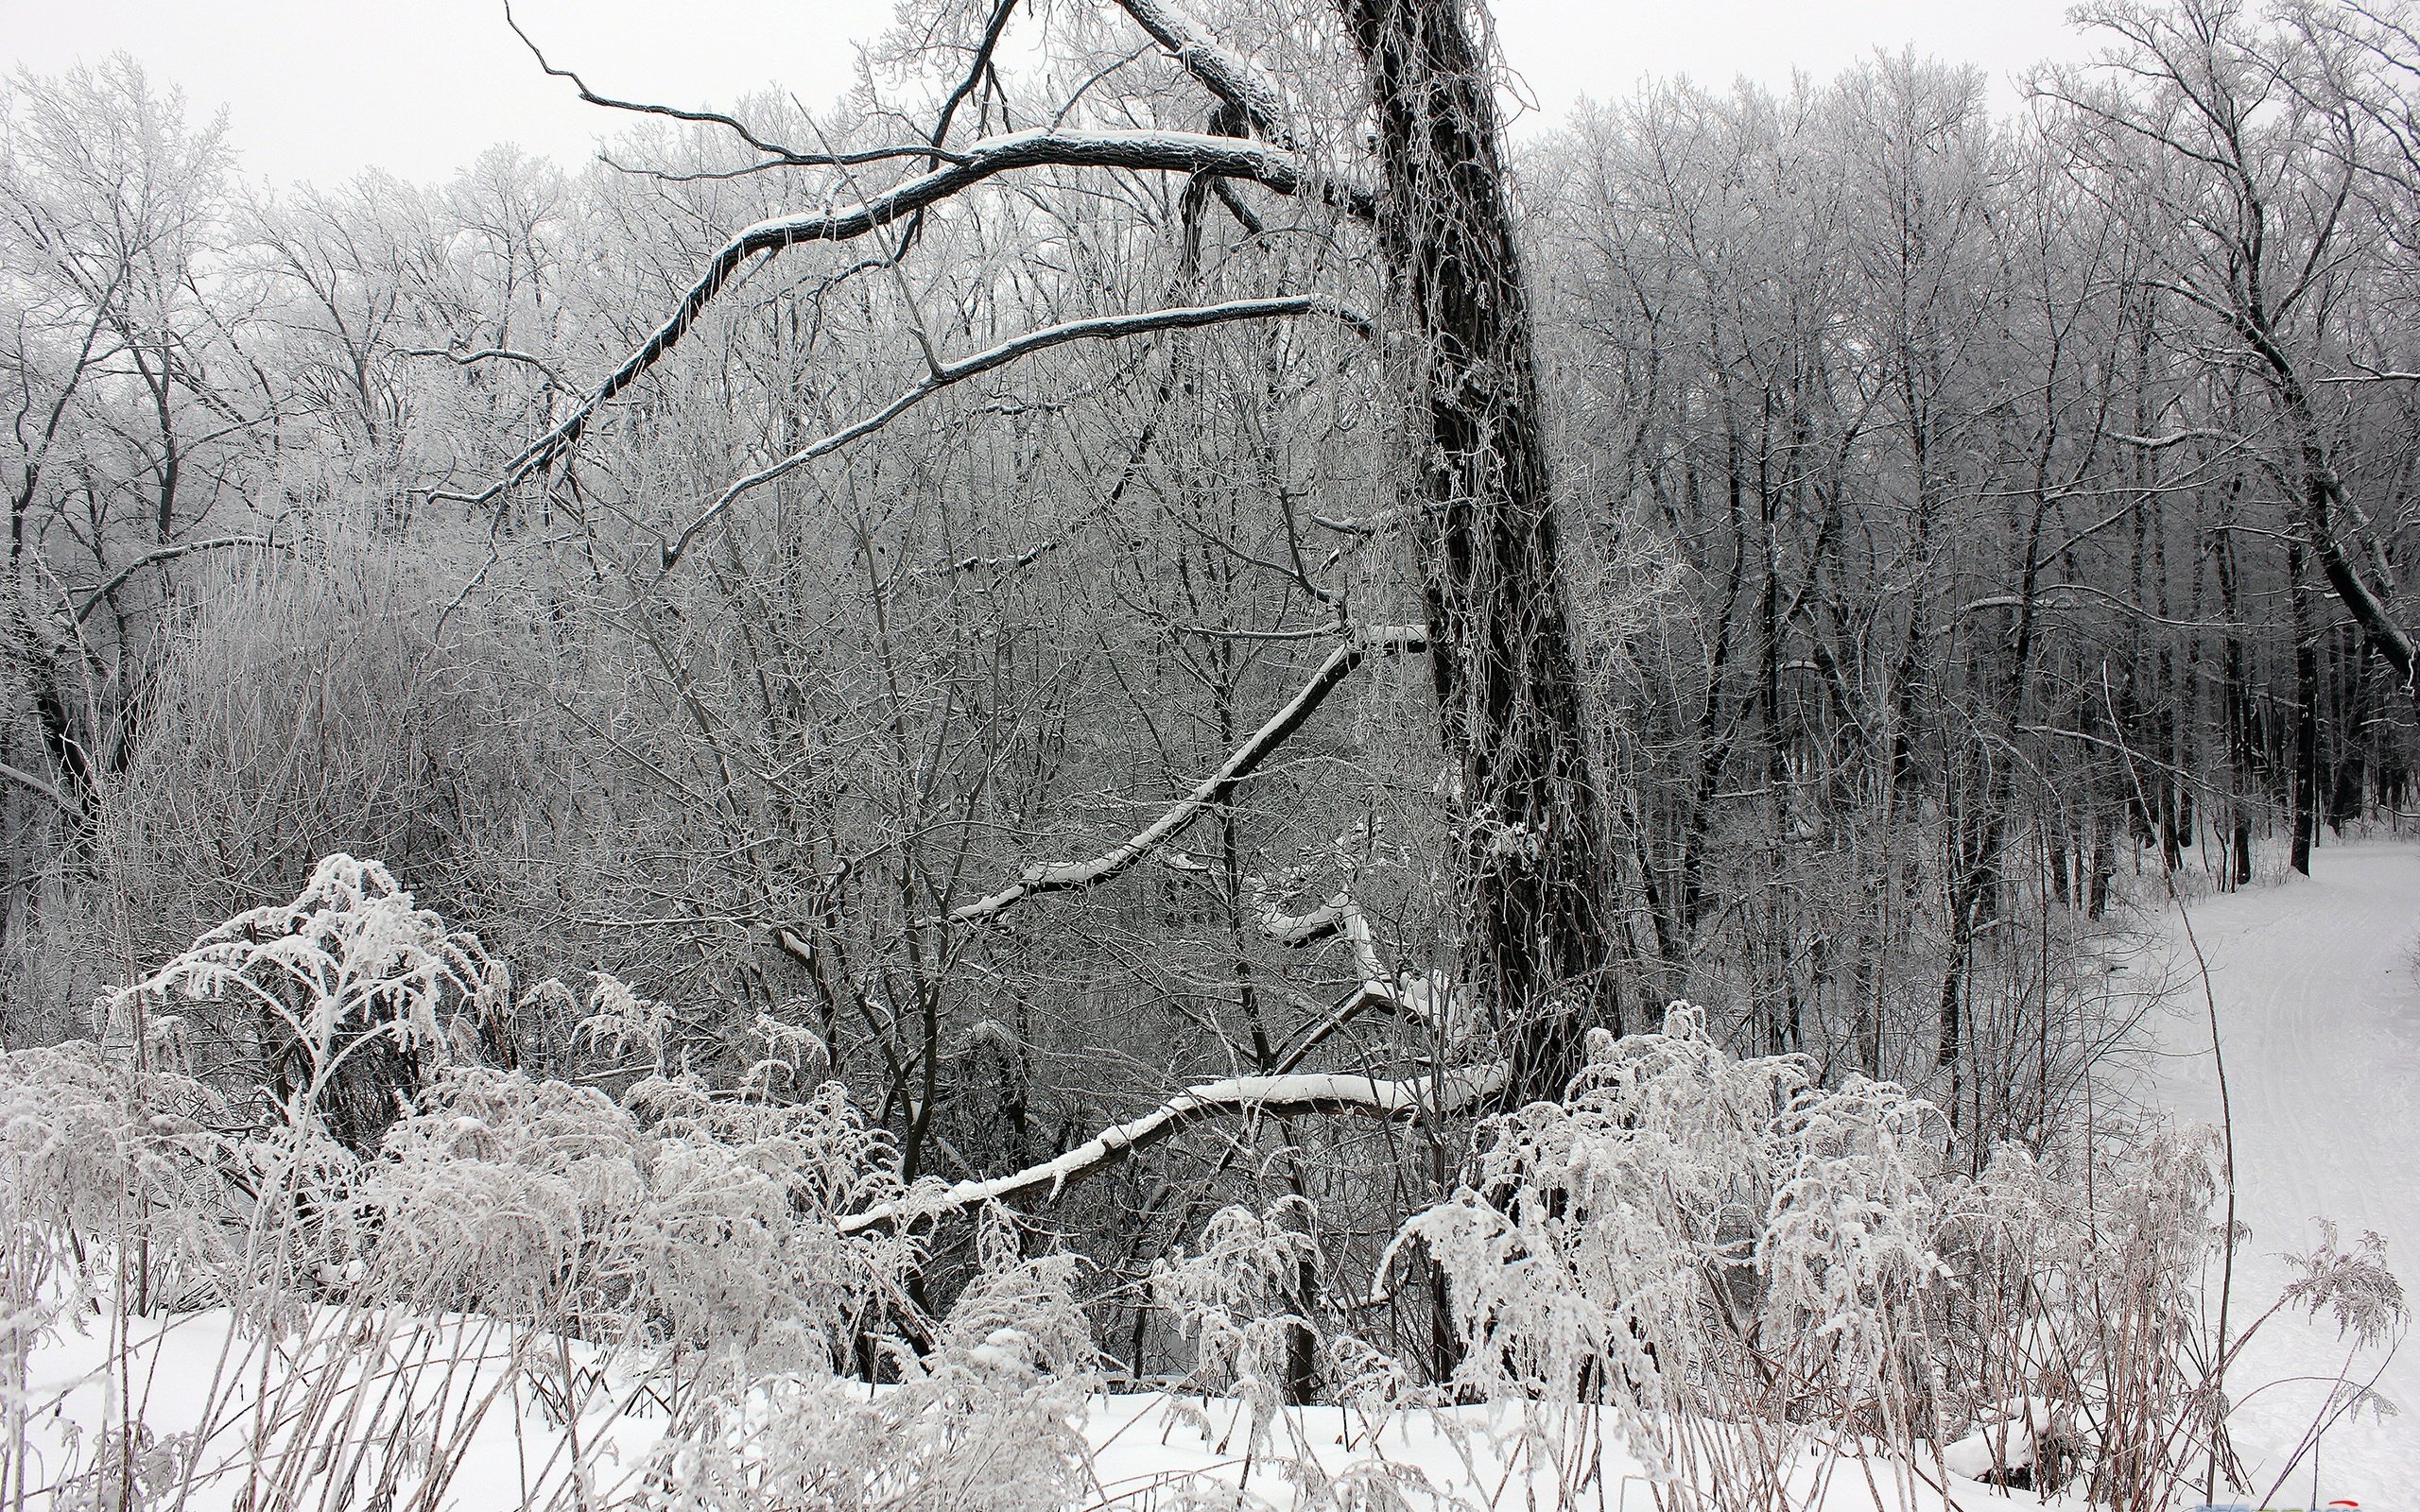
[
  {"x": 278, "y": 1427},
  {"x": 2319, "y": 1018},
  {"x": 2318, "y": 1006}
]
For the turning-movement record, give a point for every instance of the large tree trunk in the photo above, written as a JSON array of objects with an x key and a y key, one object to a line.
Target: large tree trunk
[
  {"x": 2306, "y": 776},
  {"x": 1534, "y": 850}
]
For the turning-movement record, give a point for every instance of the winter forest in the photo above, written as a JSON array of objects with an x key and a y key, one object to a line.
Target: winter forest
[{"x": 1151, "y": 772}]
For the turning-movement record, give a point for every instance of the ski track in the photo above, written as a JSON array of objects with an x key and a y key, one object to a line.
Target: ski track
[{"x": 2319, "y": 1018}]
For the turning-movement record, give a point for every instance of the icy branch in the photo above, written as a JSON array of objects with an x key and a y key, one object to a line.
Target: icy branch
[
  {"x": 39, "y": 788},
  {"x": 118, "y": 580},
  {"x": 1140, "y": 151},
  {"x": 1096, "y": 328},
  {"x": 1297, "y": 1095},
  {"x": 1223, "y": 73},
  {"x": 1213, "y": 790}
]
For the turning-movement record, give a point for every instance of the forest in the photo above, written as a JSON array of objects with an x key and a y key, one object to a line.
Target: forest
[{"x": 1155, "y": 711}]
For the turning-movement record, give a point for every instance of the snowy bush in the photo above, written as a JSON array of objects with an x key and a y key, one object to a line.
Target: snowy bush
[
  {"x": 990, "y": 1419},
  {"x": 1695, "y": 1239},
  {"x": 102, "y": 1166},
  {"x": 1237, "y": 1301},
  {"x": 344, "y": 997}
]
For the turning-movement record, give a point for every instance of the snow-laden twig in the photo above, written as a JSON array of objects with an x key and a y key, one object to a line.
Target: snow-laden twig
[
  {"x": 1093, "y": 327},
  {"x": 1288, "y": 1096},
  {"x": 1061, "y": 876},
  {"x": 1141, "y": 152}
]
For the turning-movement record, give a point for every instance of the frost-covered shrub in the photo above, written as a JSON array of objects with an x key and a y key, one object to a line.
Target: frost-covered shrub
[
  {"x": 988, "y": 1420},
  {"x": 505, "y": 1195},
  {"x": 109, "y": 1188},
  {"x": 2088, "y": 1312},
  {"x": 711, "y": 1223},
  {"x": 1738, "y": 1259},
  {"x": 1845, "y": 1264},
  {"x": 103, "y": 1164},
  {"x": 1691, "y": 1238},
  {"x": 746, "y": 1245},
  {"x": 2089, "y": 1297},
  {"x": 1238, "y": 1299},
  {"x": 679, "y": 1215},
  {"x": 345, "y": 996}
]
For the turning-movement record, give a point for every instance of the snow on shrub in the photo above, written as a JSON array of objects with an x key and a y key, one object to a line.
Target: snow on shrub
[
  {"x": 97, "y": 1156},
  {"x": 347, "y": 994},
  {"x": 990, "y": 1419},
  {"x": 678, "y": 1216},
  {"x": 1236, "y": 1299},
  {"x": 1692, "y": 1237}
]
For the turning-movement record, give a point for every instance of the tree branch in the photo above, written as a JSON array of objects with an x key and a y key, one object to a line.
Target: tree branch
[
  {"x": 1140, "y": 151},
  {"x": 1093, "y": 327},
  {"x": 776, "y": 155},
  {"x": 1297, "y": 1095},
  {"x": 36, "y": 786},
  {"x": 1213, "y": 790},
  {"x": 464, "y": 359},
  {"x": 118, "y": 579},
  {"x": 1223, "y": 73}
]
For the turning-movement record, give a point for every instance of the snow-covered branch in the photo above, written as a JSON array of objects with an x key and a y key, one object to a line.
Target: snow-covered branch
[
  {"x": 1428, "y": 997},
  {"x": 39, "y": 788},
  {"x": 1213, "y": 790},
  {"x": 2161, "y": 443},
  {"x": 464, "y": 359},
  {"x": 1093, "y": 327},
  {"x": 1222, "y": 71},
  {"x": 1140, "y": 151},
  {"x": 1297, "y": 1095},
  {"x": 1295, "y": 930},
  {"x": 118, "y": 579}
]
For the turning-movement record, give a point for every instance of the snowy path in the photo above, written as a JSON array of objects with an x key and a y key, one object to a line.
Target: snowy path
[{"x": 2318, "y": 1015}]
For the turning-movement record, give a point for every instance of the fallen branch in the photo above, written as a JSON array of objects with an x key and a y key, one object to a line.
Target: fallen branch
[{"x": 1298, "y": 1095}]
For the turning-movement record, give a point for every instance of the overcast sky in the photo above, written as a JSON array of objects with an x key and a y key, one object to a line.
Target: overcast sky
[{"x": 319, "y": 89}]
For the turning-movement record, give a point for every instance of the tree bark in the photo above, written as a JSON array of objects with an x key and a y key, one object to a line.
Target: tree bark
[
  {"x": 2306, "y": 774},
  {"x": 1535, "y": 858}
]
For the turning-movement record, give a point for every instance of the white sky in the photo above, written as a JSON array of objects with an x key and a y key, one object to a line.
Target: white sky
[{"x": 319, "y": 89}]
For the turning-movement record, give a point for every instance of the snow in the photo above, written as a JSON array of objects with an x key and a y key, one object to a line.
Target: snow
[
  {"x": 194, "y": 1373},
  {"x": 2005, "y": 1439},
  {"x": 376, "y": 1394},
  {"x": 2319, "y": 1018}
]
